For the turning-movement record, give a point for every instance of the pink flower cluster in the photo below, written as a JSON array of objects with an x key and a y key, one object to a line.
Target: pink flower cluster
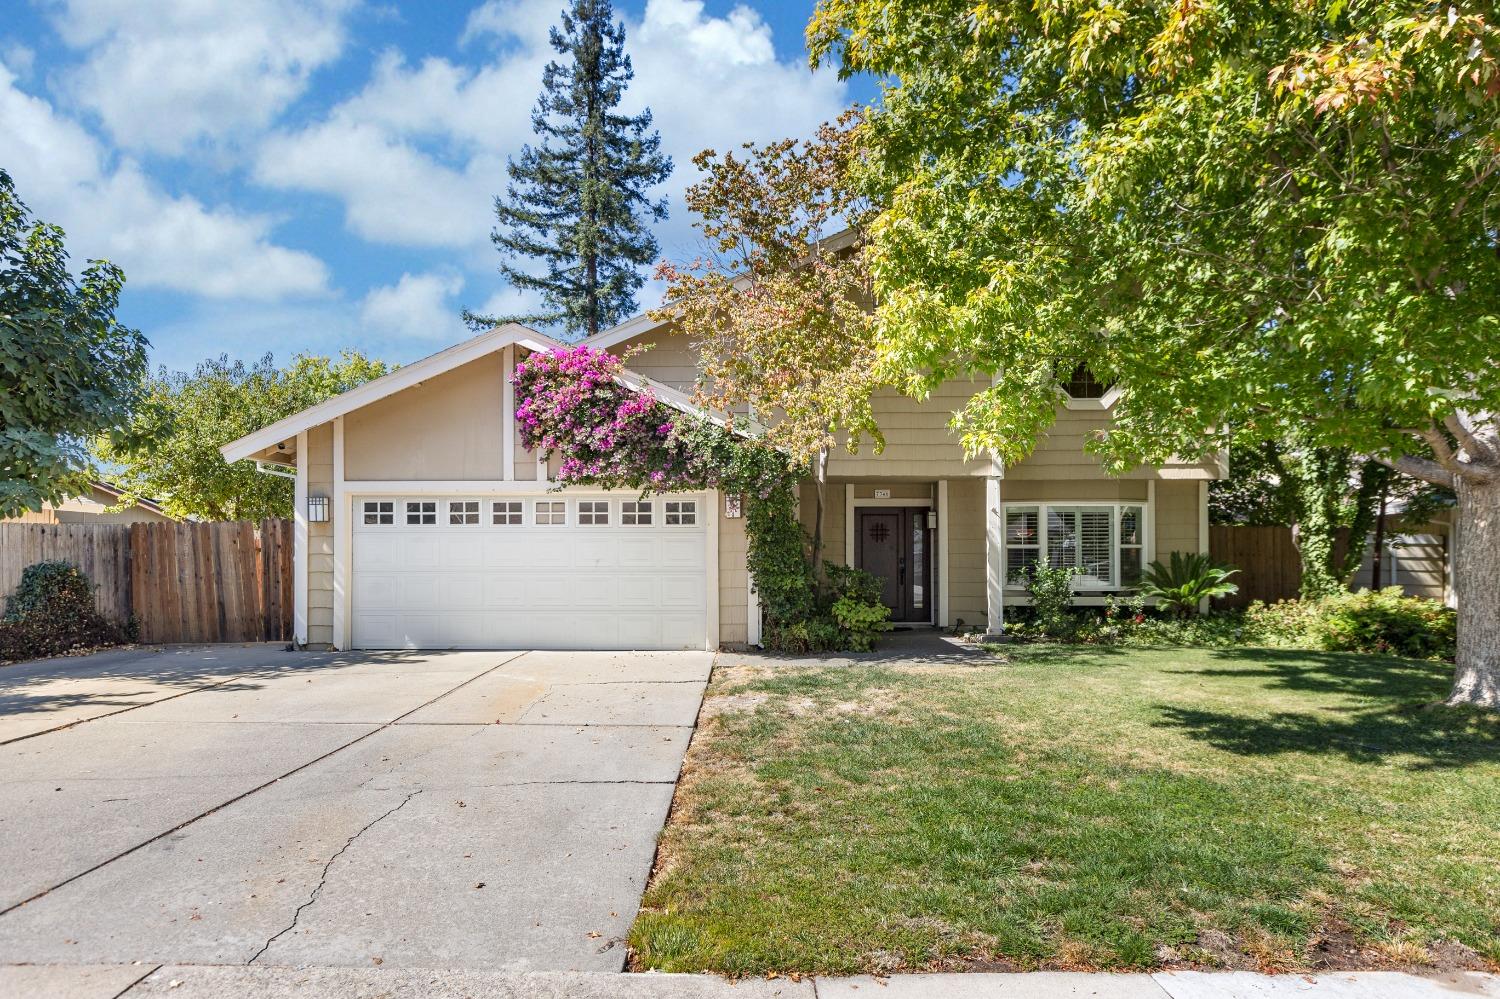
[{"x": 570, "y": 403}]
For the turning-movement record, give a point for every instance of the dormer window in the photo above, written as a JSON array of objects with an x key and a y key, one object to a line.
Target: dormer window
[{"x": 1082, "y": 384}]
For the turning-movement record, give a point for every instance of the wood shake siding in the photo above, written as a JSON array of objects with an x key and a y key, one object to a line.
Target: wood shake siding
[
  {"x": 320, "y": 538},
  {"x": 734, "y": 581},
  {"x": 966, "y": 558},
  {"x": 1177, "y": 518}
]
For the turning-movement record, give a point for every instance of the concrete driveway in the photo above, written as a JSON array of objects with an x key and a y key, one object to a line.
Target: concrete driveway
[{"x": 464, "y": 810}]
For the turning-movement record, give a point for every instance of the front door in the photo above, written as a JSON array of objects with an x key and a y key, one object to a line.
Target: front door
[{"x": 891, "y": 543}]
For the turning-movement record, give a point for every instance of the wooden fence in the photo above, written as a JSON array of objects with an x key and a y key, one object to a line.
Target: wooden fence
[
  {"x": 183, "y": 582},
  {"x": 1270, "y": 568}
]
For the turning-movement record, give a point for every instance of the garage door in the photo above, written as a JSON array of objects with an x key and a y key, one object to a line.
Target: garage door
[{"x": 586, "y": 571}]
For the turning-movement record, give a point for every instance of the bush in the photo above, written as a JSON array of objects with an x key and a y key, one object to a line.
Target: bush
[
  {"x": 1387, "y": 622},
  {"x": 52, "y": 612},
  {"x": 1051, "y": 592},
  {"x": 849, "y": 616}
]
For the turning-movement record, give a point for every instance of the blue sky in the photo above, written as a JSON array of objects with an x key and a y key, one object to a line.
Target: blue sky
[{"x": 307, "y": 175}]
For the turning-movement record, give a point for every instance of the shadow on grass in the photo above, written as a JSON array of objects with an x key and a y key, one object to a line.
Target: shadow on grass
[
  {"x": 1434, "y": 737},
  {"x": 1348, "y": 673},
  {"x": 1398, "y": 720}
]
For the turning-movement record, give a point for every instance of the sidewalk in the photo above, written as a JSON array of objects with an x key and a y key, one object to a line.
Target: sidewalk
[{"x": 238, "y": 982}]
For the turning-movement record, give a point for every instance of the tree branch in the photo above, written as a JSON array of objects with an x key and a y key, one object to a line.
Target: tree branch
[
  {"x": 1441, "y": 449},
  {"x": 1421, "y": 468},
  {"x": 1460, "y": 428}
]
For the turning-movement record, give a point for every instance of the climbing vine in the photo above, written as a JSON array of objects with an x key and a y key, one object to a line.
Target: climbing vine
[{"x": 572, "y": 404}]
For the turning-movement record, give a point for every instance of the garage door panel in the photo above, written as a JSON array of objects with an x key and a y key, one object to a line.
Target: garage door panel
[
  {"x": 375, "y": 591},
  {"x": 678, "y": 551},
  {"x": 678, "y": 592},
  {"x": 593, "y": 551},
  {"x": 528, "y": 585},
  {"x": 419, "y": 552},
  {"x": 459, "y": 552},
  {"x": 639, "y": 551}
]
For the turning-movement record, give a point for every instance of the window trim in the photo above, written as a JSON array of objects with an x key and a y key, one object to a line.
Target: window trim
[
  {"x": 594, "y": 511},
  {"x": 1080, "y": 584},
  {"x": 477, "y": 513},
  {"x": 520, "y": 512},
  {"x": 536, "y": 512},
  {"x": 693, "y": 513},
  {"x": 366, "y": 513},
  {"x": 649, "y": 512},
  {"x": 407, "y": 512}
]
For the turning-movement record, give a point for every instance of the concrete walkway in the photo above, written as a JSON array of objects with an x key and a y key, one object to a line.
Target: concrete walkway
[
  {"x": 187, "y": 982},
  {"x": 223, "y": 806}
]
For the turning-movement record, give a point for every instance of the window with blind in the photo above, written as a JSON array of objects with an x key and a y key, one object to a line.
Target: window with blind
[{"x": 1104, "y": 544}]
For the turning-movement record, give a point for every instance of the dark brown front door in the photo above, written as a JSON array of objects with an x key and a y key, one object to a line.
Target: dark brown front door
[{"x": 891, "y": 542}]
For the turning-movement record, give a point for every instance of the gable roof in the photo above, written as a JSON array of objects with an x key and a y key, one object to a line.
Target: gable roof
[
  {"x": 141, "y": 501},
  {"x": 436, "y": 364},
  {"x": 402, "y": 378}
]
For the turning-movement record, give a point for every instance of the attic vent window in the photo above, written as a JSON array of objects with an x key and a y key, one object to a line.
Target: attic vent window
[{"x": 1082, "y": 384}]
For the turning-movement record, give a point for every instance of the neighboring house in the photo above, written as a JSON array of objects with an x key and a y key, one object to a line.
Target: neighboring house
[
  {"x": 1418, "y": 557},
  {"x": 94, "y": 507},
  {"x": 442, "y": 532}
]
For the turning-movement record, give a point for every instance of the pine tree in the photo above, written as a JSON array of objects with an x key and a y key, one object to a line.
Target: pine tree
[{"x": 577, "y": 201}]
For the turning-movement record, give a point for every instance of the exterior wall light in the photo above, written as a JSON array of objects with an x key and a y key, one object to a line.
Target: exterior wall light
[
  {"x": 732, "y": 506},
  {"x": 932, "y": 518},
  {"x": 317, "y": 509}
]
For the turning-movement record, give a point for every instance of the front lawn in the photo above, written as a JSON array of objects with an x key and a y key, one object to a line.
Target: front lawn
[{"x": 1081, "y": 807}]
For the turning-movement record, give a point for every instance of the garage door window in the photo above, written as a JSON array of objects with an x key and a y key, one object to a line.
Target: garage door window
[
  {"x": 421, "y": 512},
  {"x": 506, "y": 512},
  {"x": 551, "y": 512},
  {"x": 380, "y": 512},
  {"x": 463, "y": 512},
  {"x": 636, "y": 513},
  {"x": 682, "y": 513},
  {"x": 593, "y": 512}
]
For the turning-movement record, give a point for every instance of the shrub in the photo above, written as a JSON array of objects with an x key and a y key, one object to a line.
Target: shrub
[
  {"x": 1188, "y": 580},
  {"x": 52, "y": 612},
  {"x": 1051, "y": 592},
  {"x": 1385, "y": 621},
  {"x": 849, "y": 616}
]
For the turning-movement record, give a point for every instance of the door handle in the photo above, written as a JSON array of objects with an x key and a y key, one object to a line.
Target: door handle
[{"x": 901, "y": 569}]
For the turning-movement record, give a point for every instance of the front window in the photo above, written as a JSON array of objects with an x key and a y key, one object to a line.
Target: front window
[{"x": 1104, "y": 544}]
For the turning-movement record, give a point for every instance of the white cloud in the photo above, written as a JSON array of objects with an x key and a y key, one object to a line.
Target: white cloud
[
  {"x": 113, "y": 210},
  {"x": 418, "y": 305},
  {"x": 164, "y": 74},
  {"x": 418, "y": 155}
]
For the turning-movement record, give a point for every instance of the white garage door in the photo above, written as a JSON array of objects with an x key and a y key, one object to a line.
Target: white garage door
[{"x": 556, "y": 571}]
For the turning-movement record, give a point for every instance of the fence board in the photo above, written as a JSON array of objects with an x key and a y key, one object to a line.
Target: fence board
[
  {"x": 1270, "y": 568},
  {"x": 182, "y": 582}
]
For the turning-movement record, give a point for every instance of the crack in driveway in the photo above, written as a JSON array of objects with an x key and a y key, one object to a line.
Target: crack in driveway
[{"x": 323, "y": 877}]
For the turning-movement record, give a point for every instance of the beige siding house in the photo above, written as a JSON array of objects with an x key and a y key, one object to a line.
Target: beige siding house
[
  {"x": 96, "y": 506},
  {"x": 423, "y": 523}
]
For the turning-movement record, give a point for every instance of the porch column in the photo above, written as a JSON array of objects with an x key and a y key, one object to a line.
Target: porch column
[{"x": 994, "y": 551}]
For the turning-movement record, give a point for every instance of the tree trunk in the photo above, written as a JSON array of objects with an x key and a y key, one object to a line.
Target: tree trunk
[
  {"x": 820, "y": 480},
  {"x": 1476, "y": 580}
]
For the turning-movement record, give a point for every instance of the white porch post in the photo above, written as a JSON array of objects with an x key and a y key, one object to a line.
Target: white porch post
[
  {"x": 994, "y": 552},
  {"x": 1203, "y": 545},
  {"x": 943, "y": 620},
  {"x": 299, "y": 545}
]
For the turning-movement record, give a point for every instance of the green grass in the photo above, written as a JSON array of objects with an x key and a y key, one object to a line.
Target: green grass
[{"x": 1081, "y": 808}]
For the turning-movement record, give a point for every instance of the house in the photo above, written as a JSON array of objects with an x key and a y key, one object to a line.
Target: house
[
  {"x": 1417, "y": 557},
  {"x": 94, "y": 507},
  {"x": 422, "y": 523}
]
